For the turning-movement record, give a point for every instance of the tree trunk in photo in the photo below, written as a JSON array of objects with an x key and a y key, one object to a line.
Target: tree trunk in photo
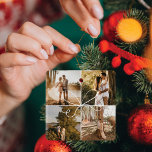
[
  {"x": 54, "y": 77},
  {"x": 112, "y": 87}
]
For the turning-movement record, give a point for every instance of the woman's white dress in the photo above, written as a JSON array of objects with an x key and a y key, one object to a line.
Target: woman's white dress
[{"x": 99, "y": 97}]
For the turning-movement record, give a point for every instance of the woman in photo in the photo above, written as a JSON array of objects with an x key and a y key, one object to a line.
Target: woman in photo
[
  {"x": 99, "y": 99},
  {"x": 60, "y": 90},
  {"x": 100, "y": 126},
  {"x": 101, "y": 133}
]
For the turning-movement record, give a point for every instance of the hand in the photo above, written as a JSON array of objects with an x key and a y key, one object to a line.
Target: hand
[
  {"x": 86, "y": 13},
  {"x": 100, "y": 92},
  {"x": 30, "y": 54}
]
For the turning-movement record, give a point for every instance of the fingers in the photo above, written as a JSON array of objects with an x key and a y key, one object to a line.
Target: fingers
[
  {"x": 61, "y": 42},
  {"x": 28, "y": 42},
  {"x": 47, "y": 36},
  {"x": 80, "y": 14},
  {"x": 59, "y": 57},
  {"x": 35, "y": 32},
  {"x": 18, "y": 42},
  {"x": 16, "y": 59},
  {"x": 94, "y": 7},
  {"x": 32, "y": 40}
]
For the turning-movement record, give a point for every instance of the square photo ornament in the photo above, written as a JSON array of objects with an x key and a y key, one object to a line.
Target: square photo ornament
[{"x": 80, "y": 105}]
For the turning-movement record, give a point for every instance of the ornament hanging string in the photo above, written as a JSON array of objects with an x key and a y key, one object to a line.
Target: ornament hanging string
[{"x": 79, "y": 43}]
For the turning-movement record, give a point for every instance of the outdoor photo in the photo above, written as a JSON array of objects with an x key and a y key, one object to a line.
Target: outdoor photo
[
  {"x": 98, "y": 123},
  {"x": 63, "y": 123},
  {"x": 63, "y": 87},
  {"x": 98, "y": 87}
]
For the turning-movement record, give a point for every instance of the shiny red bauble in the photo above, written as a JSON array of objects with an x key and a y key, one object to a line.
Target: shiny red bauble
[
  {"x": 140, "y": 124},
  {"x": 44, "y": 145}
]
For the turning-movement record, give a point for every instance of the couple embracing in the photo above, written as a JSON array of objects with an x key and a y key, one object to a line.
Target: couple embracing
[
  {"x": 63, "y": 88},
  {"x": 102, "y": 88}
]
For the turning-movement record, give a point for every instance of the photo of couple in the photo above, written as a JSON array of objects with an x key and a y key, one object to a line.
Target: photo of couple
[
  {"x": 63, "y": 122},
  {"x": 99, "y": 87},
  {"x": 63, "y": 88},
  {"x": 61, "y": 133},
  {"x": 80, "y": 105}
]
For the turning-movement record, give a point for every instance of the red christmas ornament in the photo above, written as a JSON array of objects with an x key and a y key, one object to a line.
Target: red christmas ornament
[
  {"x": 110, "y": 24},
  {"x": 140, "y": 124},
  {"x": 44, "y": 145},
  {"x": 81, "y": 80},
  {"x": 116, "y": 62},
  {"x": 104, "y": 46}
]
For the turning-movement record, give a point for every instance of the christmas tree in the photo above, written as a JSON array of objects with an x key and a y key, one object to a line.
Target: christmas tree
[
  {"x": 126, "y": 48},
  {"x": 127, "y": 32}
]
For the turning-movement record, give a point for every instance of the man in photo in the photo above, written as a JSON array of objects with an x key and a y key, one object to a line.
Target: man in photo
[
  {"x": 60, "y": 89},
  {"x": 65, "y": 89},
  {"x": 59, "y": 131}
]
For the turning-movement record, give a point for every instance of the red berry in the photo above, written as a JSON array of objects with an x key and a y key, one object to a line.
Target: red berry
[
  {"x": 116, "y": 62},
  {"x": 104, "y": 46},
  {"x": 128, "y": 69}
]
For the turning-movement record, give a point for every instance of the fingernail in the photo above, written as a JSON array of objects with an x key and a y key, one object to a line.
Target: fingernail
[
  {"x": 31, "y": 59},
  {"x": 73, "y": 48},
  {"x": 92, "y": 30},
  {"x": 51, "y": 50},
  {"x": 44, "y": 54},
  {"x": 97, "y": 12}
]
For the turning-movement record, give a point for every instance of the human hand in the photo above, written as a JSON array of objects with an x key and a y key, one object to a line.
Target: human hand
[
  {"x": 86, "y": 13},
  {"x": 30, "y": 54}
]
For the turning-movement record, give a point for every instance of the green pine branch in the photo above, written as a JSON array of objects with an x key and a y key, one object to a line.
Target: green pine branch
[
  {"x": 141, "y": 83},
  {"x": 116, "y": 5},
  {"x": 83, "y": 146},
  {"x": 93, "y": 59}
]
